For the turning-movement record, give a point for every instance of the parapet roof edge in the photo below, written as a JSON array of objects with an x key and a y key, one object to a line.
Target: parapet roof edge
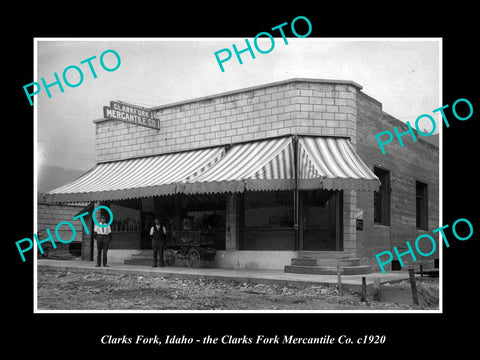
[
  {"x": 404, "y": 125},
  {"x": 256, "y": 87}
]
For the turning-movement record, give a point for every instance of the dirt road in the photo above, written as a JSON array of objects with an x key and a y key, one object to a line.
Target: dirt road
[{"x": 94, "y": 291}]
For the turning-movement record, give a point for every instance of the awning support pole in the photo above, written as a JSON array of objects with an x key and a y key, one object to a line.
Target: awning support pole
[{"x": 298, "y": 246}]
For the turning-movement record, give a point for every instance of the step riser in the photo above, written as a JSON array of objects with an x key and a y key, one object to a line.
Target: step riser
[
  {"x": 326, "y": 262},
  {"x": 142, "y": 254},
  {"x": 324, "y": 254},
  {"x": 320, "y": 270}
]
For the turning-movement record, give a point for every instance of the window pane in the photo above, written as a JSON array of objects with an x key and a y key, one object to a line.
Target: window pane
[
  {"x": 125, "y": 219},
  {"x": 419, "y": 212},
  {"x": 268, "y": 209},
  {"x": 421, "y": 206},
  {"x": 377, "y": 205},
  {"x": 381, "y": 198},
  {"x": 316, "y": 208}
]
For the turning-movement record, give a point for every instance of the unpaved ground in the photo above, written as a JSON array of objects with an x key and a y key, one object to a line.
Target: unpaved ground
[{"x": 94, "y": 291}]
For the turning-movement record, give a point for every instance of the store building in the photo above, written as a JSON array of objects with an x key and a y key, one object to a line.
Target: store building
[{"x": 282, "y": 171}]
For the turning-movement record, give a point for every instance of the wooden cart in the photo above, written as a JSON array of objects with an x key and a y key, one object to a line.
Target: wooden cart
[{"x": 196, "y": 248}]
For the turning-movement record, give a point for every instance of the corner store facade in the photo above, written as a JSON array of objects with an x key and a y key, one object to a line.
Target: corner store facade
[{"x": 274, "y": 169}]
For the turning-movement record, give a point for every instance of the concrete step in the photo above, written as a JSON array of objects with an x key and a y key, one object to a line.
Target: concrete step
[
  {"x": 142, "y": 254},
  {"x": 352, "y": 261},
  {"x": 324, "y": 254},
  {"x": 328, "y": 270}
]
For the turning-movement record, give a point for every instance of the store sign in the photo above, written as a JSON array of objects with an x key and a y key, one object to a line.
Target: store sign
[
  {"x": 131, "y": 114},
  {"x": 359, "y": 219}
]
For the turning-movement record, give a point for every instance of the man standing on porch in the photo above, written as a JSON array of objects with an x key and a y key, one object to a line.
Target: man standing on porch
[
  {"x": 103, "y": 235},
  {"x": 158, "y": 233}
]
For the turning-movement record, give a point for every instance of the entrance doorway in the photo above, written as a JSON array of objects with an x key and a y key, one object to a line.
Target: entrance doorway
[
  {"x": 161, "y": 207},
  {"x": 320, "y": 217},
  {"x": 147, "y": 223}
]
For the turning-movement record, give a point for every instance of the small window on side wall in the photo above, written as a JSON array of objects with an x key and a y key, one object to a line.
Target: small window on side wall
[
  {"x": 381, "y": 198},
  {"x": 422, "y": 205}
]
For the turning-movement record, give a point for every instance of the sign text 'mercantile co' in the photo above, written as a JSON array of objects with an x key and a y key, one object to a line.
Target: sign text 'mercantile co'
[{"x": 131, "y": 114}]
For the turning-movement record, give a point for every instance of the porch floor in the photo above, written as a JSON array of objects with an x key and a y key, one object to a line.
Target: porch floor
[{"x": 353, "y": 282}]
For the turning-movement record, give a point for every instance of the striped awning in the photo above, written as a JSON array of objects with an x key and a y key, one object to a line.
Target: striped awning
[
  {"x": 262, "y": 165},
  {"x": 137, "y": 178},
  {"x": 323, "y": 163},
  {"x": 331, "y": 163}
]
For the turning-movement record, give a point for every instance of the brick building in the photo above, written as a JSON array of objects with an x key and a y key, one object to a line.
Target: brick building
[{"x": 283, "y": 175}]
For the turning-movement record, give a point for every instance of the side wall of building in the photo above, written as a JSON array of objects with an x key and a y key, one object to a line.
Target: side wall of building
[
  {"x": 48, "y": 217},
  {"x": 415, "y": 161}
]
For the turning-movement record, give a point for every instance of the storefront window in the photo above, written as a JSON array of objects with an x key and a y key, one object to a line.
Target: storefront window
[
  {"x": 267, "y": 219},
  {"x": 268, "y": 209},
  {"x": 203, "y": 220},
  {"x": 316, "y": 205},
  {"x": 125, "y": 219},
  {"x": 125, "y": 227}
]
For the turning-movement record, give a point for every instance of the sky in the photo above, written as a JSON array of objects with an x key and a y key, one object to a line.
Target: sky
[{"x": 403, "y": 74}]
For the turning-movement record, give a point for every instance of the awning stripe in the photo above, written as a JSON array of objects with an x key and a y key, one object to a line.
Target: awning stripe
[
  {"x": 262, "y": 165},
  {"x": 280, "y": 167},
  {"x": 331, "y": 163},
  {"x": 137, "y": 177},
  {"x": 244, "y": 160}
]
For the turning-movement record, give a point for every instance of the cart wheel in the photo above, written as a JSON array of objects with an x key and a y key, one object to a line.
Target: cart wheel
[
  {"x": 193, "y": 258},
  {"x": 169, "y": 257}
]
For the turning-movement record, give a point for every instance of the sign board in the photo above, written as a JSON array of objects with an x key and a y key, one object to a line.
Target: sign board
[
  {"x": 359, "y": 219},
  {"x": 131, "y": 114},
  {"x": 359, "y": 224}
]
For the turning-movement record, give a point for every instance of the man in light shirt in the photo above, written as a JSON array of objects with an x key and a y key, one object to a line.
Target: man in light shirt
[
  {"x": 103, "y": 235},
  {"x": 158, "y": 233}
]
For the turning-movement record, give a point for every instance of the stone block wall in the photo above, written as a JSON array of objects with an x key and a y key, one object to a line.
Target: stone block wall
[
  {"x": 349, "y": 224},
  {"x": 415, "y": 161},
  {"x": 297, "y": 106},
  {"x": 49, "y": 216}
]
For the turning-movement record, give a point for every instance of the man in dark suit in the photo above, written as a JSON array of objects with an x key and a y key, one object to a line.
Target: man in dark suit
[{"x": 158, "y": 232}]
